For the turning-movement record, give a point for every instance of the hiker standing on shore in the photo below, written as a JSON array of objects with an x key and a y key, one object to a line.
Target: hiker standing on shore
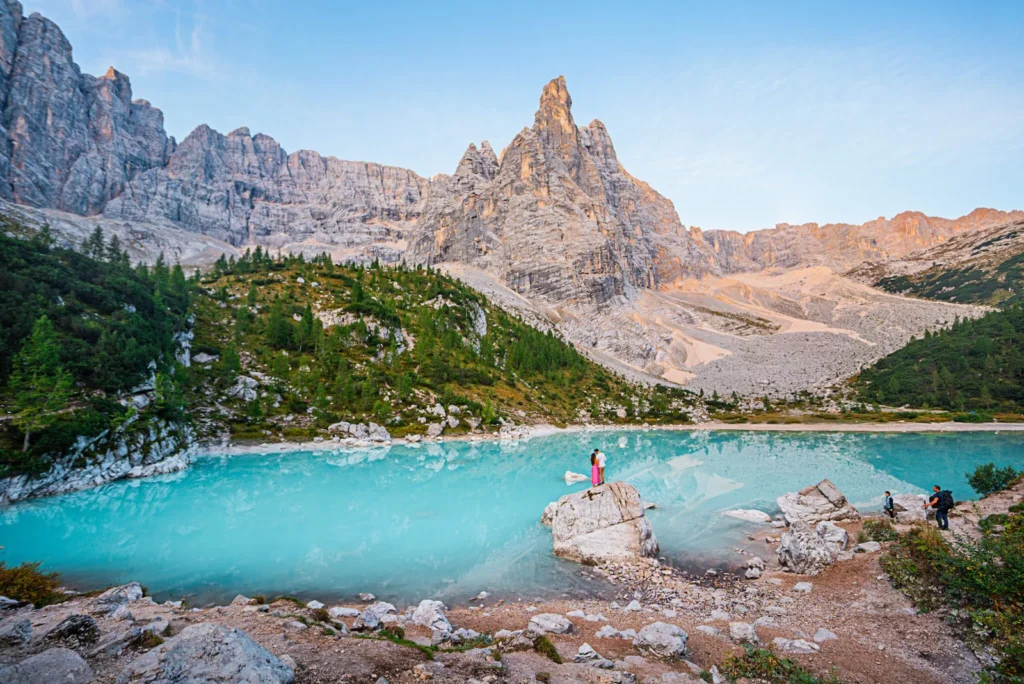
[
  {"x": 942, "y": 502},
  {"x": 889, "y": 506}
]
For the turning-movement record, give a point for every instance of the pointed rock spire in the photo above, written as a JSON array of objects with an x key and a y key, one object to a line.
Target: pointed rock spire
[{"x": 555, "y": 127}]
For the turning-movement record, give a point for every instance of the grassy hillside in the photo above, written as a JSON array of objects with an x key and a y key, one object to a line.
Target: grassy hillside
[
  {"x": 77, "y": 330},
  {"x": 329, "y": 343},
  {"x": 974, "y": 365}
]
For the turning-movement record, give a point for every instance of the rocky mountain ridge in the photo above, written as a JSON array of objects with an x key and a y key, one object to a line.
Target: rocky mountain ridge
[{"x": 555, "y": 221}]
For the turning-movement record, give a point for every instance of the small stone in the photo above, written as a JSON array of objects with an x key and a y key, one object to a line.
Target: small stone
[
  {"x": 743, "y": 633},
  {"x": 709, "y": 630},
  {"x": 314, "y": 605},
  {"x": 823, "y": 635},
  {"x": 803, "y": 587},
  {"x": 550, "y": 623}
]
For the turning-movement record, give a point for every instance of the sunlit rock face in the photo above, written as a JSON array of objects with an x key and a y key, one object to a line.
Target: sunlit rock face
[
  {"x": 70, "y": 141},
  {"x": 557, "y": 218}
]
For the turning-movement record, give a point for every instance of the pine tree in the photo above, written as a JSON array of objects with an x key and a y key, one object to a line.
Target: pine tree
[
  {"x": 95, "y": 246},
  {"x": 113, "y": 254},
  {"x": 253, "y": 296},
  {"x": 40, "y": 385}
]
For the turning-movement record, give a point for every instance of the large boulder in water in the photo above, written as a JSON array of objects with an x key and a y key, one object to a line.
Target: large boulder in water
[
  {"x": 804, "y": 551},
  {"x": 603, "y": 524},
  {"x": 816, "y": 504},
  {"x": 208, "y": 653}
]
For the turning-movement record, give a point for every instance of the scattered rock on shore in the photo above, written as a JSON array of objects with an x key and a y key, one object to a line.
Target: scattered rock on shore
[
  {"x": 804, "y": 551},
  {"x": 662, "y": 639}
]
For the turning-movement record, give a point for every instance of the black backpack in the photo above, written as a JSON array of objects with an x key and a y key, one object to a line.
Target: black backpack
[{"x": 946, "y": 500}]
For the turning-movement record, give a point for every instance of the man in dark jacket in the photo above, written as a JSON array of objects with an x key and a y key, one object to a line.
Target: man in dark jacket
[
  {"x": 889, "y": 506},
  {"x": 941, "y": 510}
]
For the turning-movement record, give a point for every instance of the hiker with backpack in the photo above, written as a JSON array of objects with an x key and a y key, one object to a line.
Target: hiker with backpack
[{"x": 942, "y": 502}]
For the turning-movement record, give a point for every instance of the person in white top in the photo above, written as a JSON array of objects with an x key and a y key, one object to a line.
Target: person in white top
[{"x": 600, "y": 464}]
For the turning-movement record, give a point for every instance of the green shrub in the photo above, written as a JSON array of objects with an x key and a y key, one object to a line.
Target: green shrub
[
  {"x": 544, "y": 646},
  {"x": 765, "y": 665},
  {"x": 321, "y": 615},
  {"x": 988, "y": 479},
  {"x": 980, "y": 581},
  {"x": 27, "y": 583},
  {"x": 973, "y": 417},
  {"x": 879, "y": 530}
]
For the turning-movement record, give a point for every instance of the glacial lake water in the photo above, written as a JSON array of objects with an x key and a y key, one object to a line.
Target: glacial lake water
[{"x": 449, "y": 520}]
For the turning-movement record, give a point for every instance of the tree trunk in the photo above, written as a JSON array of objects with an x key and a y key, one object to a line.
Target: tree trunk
[{"x": 24, "y": 448}]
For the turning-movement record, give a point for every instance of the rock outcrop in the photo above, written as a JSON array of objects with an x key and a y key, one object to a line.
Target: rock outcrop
[
  {"x": 159, "y": 449},
  {"x": 662, "y": 640},
  {"x": 603, "y": 524},
  {"x": 816, "y": 504},
  {"x": 208, "y": 653}
]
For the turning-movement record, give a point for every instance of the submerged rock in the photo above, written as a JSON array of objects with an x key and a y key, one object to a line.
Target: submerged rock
[
  {"x": 816, "y": 504},
  {"x": 208, "y": 653},
  {"x": 573, "y": 478},
  {"x": 602, "y": 524},
  {"x": 749, "y": 515}
]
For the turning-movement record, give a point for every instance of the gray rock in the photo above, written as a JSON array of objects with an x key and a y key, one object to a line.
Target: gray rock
[
  {"x": 372, "y": 616},
  {"x": 77, "y": 630},
  {"x": 15, "y": 631},
  {"x": 435, "y": 430},
  {"x": 743, "y": 633},
  {"x": 709, "y": 630},
  {"x": 662, "y": 639},
  {"x": 803, "y": 587},
  {"x": 834, "y": 536},
  {"x": 823, "y": 635},
  {"x": 868, "y": 547},
  {"x": 56, "y": 666},
  {"x": 588, "y": 656},
  {"x": 314, "y": 605},
  {"x": 803, "y": 551},
  {"x": 550, "y": 623},
  {"x": 208, "y": 653},
  {"x": 342, "y": 612},
  {"x": 795, "y": 645},
  {"x": 430, "y": 614}
]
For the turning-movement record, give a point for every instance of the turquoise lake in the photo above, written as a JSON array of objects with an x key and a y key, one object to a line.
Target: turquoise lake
[{"x": 449, "y": 520}]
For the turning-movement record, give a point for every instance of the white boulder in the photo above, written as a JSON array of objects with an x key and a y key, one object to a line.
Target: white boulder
[
  {"x": 431, "y": 614},
  {"x": 662, "y": 639},
  {"x": 603, "y": 524},
  {"x": 550, "y": 623},
  {"x": 743, "y": 633},
  {"x": 803, "y": 551},
  {"x": 834, "y": 536},
  {"x": 815, "y": 504}
]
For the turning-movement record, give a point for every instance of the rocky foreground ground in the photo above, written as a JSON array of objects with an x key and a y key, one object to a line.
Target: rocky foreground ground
[{"x": 665, "y": 625}]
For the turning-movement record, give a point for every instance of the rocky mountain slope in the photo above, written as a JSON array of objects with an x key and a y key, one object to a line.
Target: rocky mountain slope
[
  {"x": 982, "y": 266},
  {"x": 554, "y": 223}
]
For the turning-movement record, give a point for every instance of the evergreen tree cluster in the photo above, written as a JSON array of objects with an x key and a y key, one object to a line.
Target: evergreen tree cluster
[
  {"x": 76, "y": 329},
  {"x": 977, "y": 364}
]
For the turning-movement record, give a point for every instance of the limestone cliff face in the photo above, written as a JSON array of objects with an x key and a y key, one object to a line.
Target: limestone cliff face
[
  {"x": 70, "y": 141},
  {"x": 246, "y": 189},
  {"x": 842, "y": 246},
  {"x": 558, "y": 218}
]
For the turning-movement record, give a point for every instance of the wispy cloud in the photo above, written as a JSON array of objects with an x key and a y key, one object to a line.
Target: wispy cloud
[{"x": 191, "y": 53}]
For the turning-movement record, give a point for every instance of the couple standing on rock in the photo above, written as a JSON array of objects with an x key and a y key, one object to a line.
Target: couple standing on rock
[{"x": 597, "y": 461}]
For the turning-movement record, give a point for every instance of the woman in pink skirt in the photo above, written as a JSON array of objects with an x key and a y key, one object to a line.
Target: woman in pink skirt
[{"x": 595, "y": 471}]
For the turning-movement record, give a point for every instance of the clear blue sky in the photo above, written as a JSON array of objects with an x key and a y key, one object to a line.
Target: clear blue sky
[{"x": 745, "y": 115}]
